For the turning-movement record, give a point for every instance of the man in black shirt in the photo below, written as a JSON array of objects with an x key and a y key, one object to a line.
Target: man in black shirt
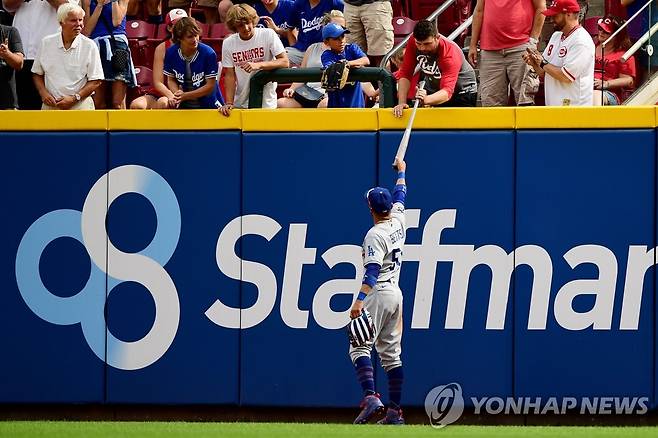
[{"x": 11, "y": 60}]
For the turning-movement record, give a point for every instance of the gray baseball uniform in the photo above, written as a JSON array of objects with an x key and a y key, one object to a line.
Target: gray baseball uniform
[{"x": 383, "y": 246}]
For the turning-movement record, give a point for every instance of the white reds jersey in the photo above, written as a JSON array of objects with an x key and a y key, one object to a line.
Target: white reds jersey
[
  {"x": 383, "y": 245},
  {"x": 574, "y": 55}
]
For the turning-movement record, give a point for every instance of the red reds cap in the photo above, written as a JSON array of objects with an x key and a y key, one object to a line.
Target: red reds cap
[
  {"x": 174, "y": 15},
  {"x": 558, "y": 6},
  {"x": 608, "y": 24}
]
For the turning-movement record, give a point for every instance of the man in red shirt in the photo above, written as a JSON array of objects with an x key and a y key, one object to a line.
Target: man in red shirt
[
  {"x": 505, "y": 29},
  {"x": 449, "y": 79}
]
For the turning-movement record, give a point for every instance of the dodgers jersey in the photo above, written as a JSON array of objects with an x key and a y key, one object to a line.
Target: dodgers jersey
[
  {"x": 383, "y": 245},
  {"x": 574, "y": 55},
  {"x": 309, "y": 20},
  {"x": 280, "y": 15},
  {"x": 203, "y": 65}
]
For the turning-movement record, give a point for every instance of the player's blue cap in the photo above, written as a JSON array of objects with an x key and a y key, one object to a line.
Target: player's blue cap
[
  {"x": 333, "y": 30},
  {"x": 380, "y": 200}
]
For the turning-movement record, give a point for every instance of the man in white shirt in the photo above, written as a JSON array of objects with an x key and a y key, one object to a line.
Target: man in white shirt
[
  {"x": 247, "y": 51},
  {"x": 67, "y": 68},
  {"x": 34, "y": 19},
  {"x": 568, "y": 60}
]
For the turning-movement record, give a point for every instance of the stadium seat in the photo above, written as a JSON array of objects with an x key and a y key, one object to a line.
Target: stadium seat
[
  {"x": 219, "y": 30},
  {"x": 139, "y": 30},
  {"x": 216, "y": 44},
  {"x": 144, "y": 83},
  {"x": 205, "y": 30},
  {"x": 161, "y": 32},
  {"x": 403, "y": 26},
  {"x": 139, "y": 53}
]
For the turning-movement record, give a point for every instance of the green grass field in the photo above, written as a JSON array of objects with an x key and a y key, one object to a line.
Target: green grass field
[{"x": 20, "y": 429}]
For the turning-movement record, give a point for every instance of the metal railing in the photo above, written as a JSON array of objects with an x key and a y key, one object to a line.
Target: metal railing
[
  {"x": 635, "y": 47},
  {"x": 433, "y": 16},
  {"x": 313, "y": 74}
]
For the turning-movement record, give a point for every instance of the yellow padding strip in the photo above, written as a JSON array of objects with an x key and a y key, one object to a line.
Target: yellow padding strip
[
  {"x": 586, "y": 117},
  {"x": 309, "y": 120},
  {"x": 170, "y": 120},
  {"x": 450, "y": 118},
  {"x": 53, "y": 120}
]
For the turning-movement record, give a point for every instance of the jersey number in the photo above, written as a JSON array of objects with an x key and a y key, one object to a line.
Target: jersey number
[{"x": 396, "y": 256}]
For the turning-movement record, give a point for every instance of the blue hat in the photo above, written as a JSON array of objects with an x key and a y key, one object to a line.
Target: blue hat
[
  {"x": 333, "y": 30},
  {"x": 380, "y": 200}
]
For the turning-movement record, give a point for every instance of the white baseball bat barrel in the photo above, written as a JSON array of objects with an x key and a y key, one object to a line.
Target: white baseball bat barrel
[{"x": 402, "y": 148}]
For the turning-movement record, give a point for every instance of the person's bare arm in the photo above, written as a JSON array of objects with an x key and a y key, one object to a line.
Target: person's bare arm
[
  {"x": 281, "y": 61},
  {"x": 40, "y": 85},
  {"x": 13, "y": 60},
  {"x": 476, "y": 27},
  {"x": 207, "y": 88},
  {"x": 538, "y": 21},
  {"x": 229, "y": 88},
  {"x": 364, "y": 61},
  {"x": 158, "y": 75},
  {"x": 92, "y": 17},
  {"x": 119, "y": 10}
]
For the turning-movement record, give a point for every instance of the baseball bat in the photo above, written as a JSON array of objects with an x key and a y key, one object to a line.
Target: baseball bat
[{"x": 402, "y": 148}]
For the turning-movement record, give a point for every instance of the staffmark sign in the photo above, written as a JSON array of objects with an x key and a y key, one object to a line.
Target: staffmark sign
[{"x": 444, "y": 405}]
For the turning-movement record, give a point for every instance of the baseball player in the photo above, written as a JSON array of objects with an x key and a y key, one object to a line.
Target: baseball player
[{"x": 380, "y": 295}]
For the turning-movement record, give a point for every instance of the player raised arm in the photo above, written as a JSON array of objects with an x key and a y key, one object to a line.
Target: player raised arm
[{"x": 400, "y": 189}]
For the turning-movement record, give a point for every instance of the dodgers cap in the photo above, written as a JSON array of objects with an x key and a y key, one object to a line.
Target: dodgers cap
[
  {"x": 380, "y": 200},
  {"x": 333, "y": 30}
]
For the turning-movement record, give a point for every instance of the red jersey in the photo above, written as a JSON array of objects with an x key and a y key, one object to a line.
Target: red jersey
[
  {"x": 613, "y": 68},
  {"x": 446, "y": 69}
]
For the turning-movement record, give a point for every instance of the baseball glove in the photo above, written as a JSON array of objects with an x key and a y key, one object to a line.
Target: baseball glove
[
  {"x": 334, "y": 77},
  {"x": 361, "y": 330}
]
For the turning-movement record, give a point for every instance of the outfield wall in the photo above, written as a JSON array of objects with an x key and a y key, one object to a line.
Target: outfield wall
[{"x": 264, "y": 212}]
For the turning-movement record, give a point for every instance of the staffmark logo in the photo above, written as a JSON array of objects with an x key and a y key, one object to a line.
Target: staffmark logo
[{"x": 444, "y": 405}]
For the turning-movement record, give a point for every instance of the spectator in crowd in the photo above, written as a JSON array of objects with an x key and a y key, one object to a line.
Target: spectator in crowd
[
  {"x": 567, "y": 63},
  {"x": 225, "y": 5},
  {"x": 67, "y": 68},
  {"x": 153, "y": 10},
  {"x": 248, "y": 50},
  {"x": 505, "y": 29},
  {"x": 351, "y": 95},
  {"x": 396, "y": 60},
  {"x": 306, "y": 17},
  {"x": 611, "y": 75},
  {"x": 191, "y": 69},
  {"x": 312, "y": 58},
  {"x": 105, "y": 23},
  {"x": 370, "y": 23},
  {"x": 11, "y": 60},
  {"x": 449, "y": 78},
  {"x": 275, "y": 15},
  {"x": 33, "y": 20},
  {"x": 159, "y": 96},
  {"x": 210, "y": 10}
]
